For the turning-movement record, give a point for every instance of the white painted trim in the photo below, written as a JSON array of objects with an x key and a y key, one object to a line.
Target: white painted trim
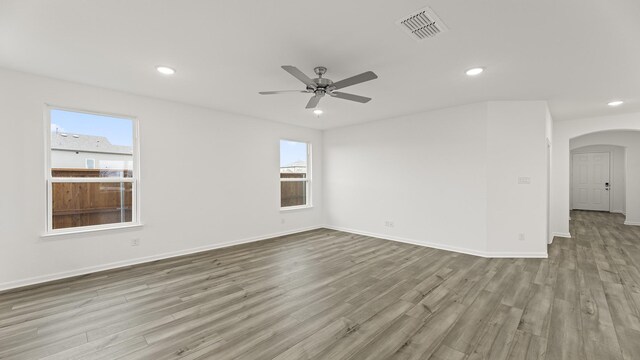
[
  {"x": 484, "y": 254},
  {"x": 93, "y": 180},
  {"x": 92, "y": 269},
  {"x": 516, "y": 255},
  {"x": 562, "y": 235},
  {"x": 307, "y": 180},
  {"x": 294, "y": 208},
  {"x": 91, "y": 229},
  {"x": 49, "y": 179},
  {"x": 633, "y": 223}
]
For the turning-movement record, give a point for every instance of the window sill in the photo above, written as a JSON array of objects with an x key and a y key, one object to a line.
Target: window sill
[
  {"x": 90, "y": 230},
  {"x": 294, "y": 208}
]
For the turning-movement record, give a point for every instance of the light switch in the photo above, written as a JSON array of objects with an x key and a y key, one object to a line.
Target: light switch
[{"x": 524, "y": 180}]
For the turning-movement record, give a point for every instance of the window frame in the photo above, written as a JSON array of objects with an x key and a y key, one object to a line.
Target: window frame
[
  {"x": 50, "y": 180},
  {"x": 307, "y": 180},
  {"x": 86, "y": 163}
]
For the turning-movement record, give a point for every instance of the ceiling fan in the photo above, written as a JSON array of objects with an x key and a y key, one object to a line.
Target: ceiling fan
[{"x": 320, "y": 86}]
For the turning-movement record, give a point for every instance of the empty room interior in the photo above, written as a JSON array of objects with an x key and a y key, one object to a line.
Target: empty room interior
[{"x": 288, "y": 179}]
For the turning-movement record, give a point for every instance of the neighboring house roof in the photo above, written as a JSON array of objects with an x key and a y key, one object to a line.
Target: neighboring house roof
[
  {"x": 87, "y": 143},
  {"x": 299, "y": 163},
  {"x": 296, "y": 166}
]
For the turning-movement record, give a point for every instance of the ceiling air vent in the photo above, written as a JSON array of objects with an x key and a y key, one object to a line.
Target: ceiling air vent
[{"x": 422, "y": 24}]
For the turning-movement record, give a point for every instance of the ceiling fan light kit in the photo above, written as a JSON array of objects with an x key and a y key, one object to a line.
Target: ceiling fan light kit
[{"x": 322, "y": 86}]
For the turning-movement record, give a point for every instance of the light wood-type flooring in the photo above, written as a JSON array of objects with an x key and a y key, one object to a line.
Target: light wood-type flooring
[{"x": 326, "y": 294}]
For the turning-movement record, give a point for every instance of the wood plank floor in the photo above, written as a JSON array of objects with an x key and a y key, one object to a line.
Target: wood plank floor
[{"x": 330, "y": 295}]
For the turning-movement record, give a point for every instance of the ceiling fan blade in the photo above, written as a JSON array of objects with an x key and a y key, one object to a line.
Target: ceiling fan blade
[
  {"x": 281, "y": 92},
  {"x": 346, "y": 96},
  {"x": 299, "y": 75},
  {"x": 365, "y": 76},
  {"x": 313, "y": 102}
]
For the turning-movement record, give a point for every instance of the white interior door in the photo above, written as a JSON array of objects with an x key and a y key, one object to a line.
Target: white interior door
[{"x": 590, "y": 181}]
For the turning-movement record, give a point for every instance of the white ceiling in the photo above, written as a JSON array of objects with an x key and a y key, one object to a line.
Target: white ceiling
[{"x": 576, "y": 54}]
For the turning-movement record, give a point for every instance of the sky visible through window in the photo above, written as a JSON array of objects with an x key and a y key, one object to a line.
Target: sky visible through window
[
  {"x": 119, "y": 131},
  {"x": 292, "y": 151}
]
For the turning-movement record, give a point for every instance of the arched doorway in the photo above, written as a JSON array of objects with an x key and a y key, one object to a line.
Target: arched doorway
[{"x": 563, "y": 132}]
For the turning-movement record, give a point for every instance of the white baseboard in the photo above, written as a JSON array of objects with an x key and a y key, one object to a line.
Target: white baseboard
[
  {"x": 110, "y": 266},
  {"x": 562, "y": 235},
  {"x": 634, "y": 223},
  {"x": 474, "y": 252}
]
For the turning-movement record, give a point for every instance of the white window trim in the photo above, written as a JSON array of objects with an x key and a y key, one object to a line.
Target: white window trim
[
  {"x": 49, "y": 179},
  {"x": 307, "y": 180},
  {"x": 92, "y": 229}
]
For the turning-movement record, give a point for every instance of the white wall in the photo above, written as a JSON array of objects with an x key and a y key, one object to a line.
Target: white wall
[
  {"x": 446, "y": 178},
  {"x": 516, "y": 147},
  {"x": 563, "y": 131},
  {"x": 217, "y": 183},
  {"x": 617, "y": 174},
  {"x": 426, "y": 173}
]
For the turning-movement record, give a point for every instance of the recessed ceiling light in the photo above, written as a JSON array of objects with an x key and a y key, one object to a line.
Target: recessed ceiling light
[
  {"x": 317, "y": 112},
  {"x": 615, "y": 103},
  {"x": 474, "y": 71},
  {"x": 165, "y": 70}
]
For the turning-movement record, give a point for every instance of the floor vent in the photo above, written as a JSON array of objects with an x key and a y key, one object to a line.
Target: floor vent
[{"x": 422, "y": 24}]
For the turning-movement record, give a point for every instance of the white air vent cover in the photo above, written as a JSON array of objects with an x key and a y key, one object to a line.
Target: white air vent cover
[{"x": 422, "y": 24}]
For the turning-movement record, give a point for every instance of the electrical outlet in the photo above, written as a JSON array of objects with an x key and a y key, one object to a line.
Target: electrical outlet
[
  {"x": 521, "y": 237},
  {"x": 282, "y": 221},
  {"x": 389, "y": 224},
  {"x": 135, "y": 242}
]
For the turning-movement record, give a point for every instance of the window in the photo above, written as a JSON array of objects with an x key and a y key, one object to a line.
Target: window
[
  {"x": 92, "y": 171},
  {"x": 295, "y": 174}
]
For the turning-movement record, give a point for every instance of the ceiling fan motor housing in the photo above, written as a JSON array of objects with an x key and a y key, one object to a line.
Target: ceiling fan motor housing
[
  {"x": 322, "y": 84},
  {"x": 320, "y": 70}
]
